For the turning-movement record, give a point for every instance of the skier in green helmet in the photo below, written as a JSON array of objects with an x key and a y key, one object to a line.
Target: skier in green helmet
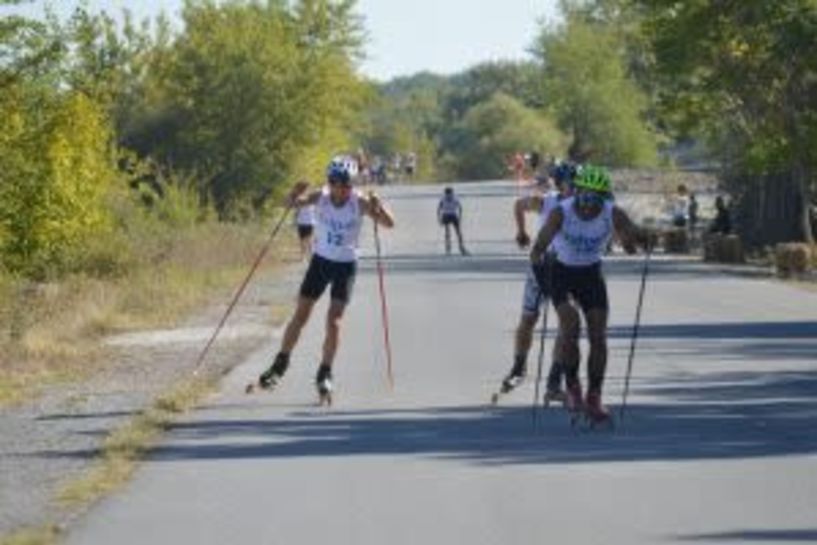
[{"x": 579, "y": 230}]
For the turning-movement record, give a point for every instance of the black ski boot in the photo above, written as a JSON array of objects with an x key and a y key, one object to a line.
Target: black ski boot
[
  {"x": 514, "y": 379},
  {"x": 270, "y": 378}
]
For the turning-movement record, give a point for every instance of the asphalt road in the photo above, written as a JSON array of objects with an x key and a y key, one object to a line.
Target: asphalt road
[{"x": 717, "y": 446}]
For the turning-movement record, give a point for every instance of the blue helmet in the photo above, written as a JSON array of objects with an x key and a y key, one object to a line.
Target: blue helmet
[
  {"x": 564, "y": 172},
  {"x": 337, "y": 171}
]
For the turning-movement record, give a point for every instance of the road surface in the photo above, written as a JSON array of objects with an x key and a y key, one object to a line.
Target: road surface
[{"x": 718, "y": 444}]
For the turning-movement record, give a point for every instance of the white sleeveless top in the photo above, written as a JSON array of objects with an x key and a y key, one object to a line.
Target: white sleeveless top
[
  {"x": 449, "y": 206},
  {"x": 338, "y": 228},
  {"x": 579, "y": 242}
]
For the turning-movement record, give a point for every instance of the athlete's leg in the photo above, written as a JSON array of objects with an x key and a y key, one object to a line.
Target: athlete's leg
[
  {"x": 597, "y": 359},
  {"x": 458, "y": 231},
  {"x": 332, "y": 338},
  {"x": 299, "y": 319},
  {"x": 523, "y": 338},
  {"x": 566, "y": 349}
]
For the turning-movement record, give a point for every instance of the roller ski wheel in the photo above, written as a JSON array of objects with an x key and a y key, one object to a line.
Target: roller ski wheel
[
  {"x": 325, "y": 394},
  {"x": 257, "y": 386},
  {"x": 269, "y": 379},
  {"x": 509, "y": 384},
  {"x": 323, "y": 384}
]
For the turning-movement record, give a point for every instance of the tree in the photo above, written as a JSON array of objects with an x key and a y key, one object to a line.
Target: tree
[
  {"x": 252, "y": 95},
  {"x": 593, "y": 96},
  {"x": 745, "y": 74},
  {"x": 56, "y": 171},
  {"x": 494, "y": 129}
]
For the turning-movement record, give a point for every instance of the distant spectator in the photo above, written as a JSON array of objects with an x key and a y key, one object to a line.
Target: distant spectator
[
  {"x": 722, "y": 224},
  {"x": 410, "y": 165},
  {"x": 692, "y": 212},
  {"x": 680, "y": 207}
]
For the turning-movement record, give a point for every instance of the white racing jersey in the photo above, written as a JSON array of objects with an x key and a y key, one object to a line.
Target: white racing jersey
[
  {"x": 579, "y": 242},
  {"x": 338, "y": 228}
]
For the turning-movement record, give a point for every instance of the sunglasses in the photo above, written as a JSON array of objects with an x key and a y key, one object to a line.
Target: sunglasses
[
  {"x": 335, "y": 182},
  {"x": 590, "y": 199}
]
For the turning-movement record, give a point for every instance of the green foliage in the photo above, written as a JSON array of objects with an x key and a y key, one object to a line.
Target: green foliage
[
  {"x": 494, "y": 129},
  {"x": 56, "y": 171},
  {"x": 425, "y": 113},
  {"x": 592, "y": 93},
  {"x": 252, "y": 95},
  {"x": 402, "y": 117},
  {"x": 745, "y": 75},
  {"x": 520, "y": 80}
]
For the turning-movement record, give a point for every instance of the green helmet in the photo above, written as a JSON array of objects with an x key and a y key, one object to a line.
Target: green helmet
[{"x": 594, "y": 179}]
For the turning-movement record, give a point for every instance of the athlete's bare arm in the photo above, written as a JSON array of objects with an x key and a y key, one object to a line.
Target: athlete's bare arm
[
  {"x": 628, "y": 232},
  {"x": 372, "y": 206},
  {"x": 299, "y": 197},
  {"x": 546, "y": 235},
  {"x": 532, "y": 203}
]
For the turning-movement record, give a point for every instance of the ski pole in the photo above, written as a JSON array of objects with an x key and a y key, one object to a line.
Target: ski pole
[
  {"x": 535, "y": 413},
  {"x": 634, "y": 338},
  {"x": 383, "y": 306},
  {"x": 241, "y": 289}
]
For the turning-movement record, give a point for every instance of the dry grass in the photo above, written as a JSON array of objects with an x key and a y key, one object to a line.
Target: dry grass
[
  {"x": 47, "y": 535},
  {"x": 124, "y": 447},
  {"x": 51, "y": 332}
]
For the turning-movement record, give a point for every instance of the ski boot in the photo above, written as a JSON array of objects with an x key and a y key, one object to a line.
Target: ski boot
[
  {"x": 270, "y": 378},
  {"x": 554, "y": 395},
  {"x": 323, "y": 383},
  {"x": 554, "y": 392},
  {"x": 596, "y": 413},
  {"x": 509, "y": 383}
]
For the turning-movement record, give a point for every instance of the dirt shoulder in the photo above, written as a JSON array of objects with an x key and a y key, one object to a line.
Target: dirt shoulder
[{"x": 54, "y": 439}]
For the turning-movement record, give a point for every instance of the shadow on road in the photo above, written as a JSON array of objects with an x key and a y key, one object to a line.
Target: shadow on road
[
  {"x": 680, "y": 269},
  {"x": 805, "y": 536},
  {"x": 732, "y": 416},
  {"x": 704, "y": 415}
]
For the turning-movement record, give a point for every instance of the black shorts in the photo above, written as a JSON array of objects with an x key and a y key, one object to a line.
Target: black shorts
[
  {"x": 322, "y": 272},
  {"x": 450, "y": 219},
  {"x": 305, "y": 231},
  {"x": 585, "y": 284}
]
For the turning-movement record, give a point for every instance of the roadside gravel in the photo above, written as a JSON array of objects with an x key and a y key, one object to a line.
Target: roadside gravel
[{"x": 53, "y": 439}]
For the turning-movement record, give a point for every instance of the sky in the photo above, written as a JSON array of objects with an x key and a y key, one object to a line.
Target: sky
[{"x": 404, "y": 36}]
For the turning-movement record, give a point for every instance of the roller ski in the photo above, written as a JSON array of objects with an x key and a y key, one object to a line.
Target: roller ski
[
  {"x": 509, "y": 383},
  {"x": 269, "y": 379},
  {"x": 554, "y": 395},
  {"x": 323, "y": 384}
]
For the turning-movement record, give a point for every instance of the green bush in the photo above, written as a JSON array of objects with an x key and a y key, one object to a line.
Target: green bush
[{"x": 56, "y": 172}]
